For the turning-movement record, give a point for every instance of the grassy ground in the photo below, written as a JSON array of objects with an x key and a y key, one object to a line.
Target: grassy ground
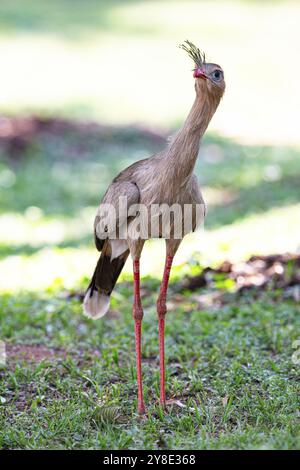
[
  {"x": 70, "y": 382},
  {"x": 229, "y": 373}
]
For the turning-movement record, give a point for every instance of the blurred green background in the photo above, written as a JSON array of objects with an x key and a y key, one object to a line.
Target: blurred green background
[{"x": 117, "y": 63}]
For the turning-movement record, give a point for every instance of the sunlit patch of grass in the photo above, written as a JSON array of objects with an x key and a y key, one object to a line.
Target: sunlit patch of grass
[
  {"x": 275, "y": 231},
  {"x": 37, "y": 230}
]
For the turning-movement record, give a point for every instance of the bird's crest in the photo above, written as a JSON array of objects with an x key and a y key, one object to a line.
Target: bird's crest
[{"x": 194, "y": 52}]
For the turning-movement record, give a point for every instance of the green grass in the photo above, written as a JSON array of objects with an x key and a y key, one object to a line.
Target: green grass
[{"x": 230, "y": 368}]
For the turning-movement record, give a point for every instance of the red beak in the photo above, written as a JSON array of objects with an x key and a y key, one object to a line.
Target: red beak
[{"x": 198, "y": 73}]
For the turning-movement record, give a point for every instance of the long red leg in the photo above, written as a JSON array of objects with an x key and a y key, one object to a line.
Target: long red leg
[
  {"x": 138, "y": 315},
  {"x": 161, "y": 312}
]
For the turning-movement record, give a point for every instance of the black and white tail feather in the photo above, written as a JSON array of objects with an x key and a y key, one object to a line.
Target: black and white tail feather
[{"x": 109, "y": 266}]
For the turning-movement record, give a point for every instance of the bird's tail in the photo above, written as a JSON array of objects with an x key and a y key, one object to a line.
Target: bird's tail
[{"x": 97, "y": 297}]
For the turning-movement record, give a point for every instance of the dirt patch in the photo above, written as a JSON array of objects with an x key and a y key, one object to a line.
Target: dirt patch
[
  {"x": 259, "y": 273},
  {"x": 32, "y": 353}
]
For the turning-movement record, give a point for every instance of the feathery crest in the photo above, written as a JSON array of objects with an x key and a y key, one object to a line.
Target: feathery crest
[{"x": 194, "y": 52}]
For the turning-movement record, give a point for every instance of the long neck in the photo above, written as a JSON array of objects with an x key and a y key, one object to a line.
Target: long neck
[{"x": 180, "y": 157}]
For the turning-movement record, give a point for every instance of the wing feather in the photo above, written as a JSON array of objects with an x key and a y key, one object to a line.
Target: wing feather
[{"x": 129, "y": 192}]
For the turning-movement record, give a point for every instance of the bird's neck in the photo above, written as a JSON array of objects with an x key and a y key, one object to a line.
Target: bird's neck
[{"x": 181, "y": 155}]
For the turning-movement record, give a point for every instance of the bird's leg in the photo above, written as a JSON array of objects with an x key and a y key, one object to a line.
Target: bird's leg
[
  {"x": 161, "y": 312},
  {"x": 138, "y": 315}
]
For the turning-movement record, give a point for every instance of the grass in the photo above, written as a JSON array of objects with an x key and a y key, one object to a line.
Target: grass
[{"x": 230, "y": 369}]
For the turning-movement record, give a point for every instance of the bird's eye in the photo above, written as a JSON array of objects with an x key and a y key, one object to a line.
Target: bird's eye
[{"x": 217, "y": 75}]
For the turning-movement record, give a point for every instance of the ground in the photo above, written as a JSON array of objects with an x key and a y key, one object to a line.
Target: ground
[
  {"x": 231, "y": 382},
  {"x": 70, "y": 382}
]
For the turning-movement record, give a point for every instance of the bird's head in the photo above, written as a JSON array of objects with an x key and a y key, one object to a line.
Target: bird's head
[{"x": 209, "y": 77}]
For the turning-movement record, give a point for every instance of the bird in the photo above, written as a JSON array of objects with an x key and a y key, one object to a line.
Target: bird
[{"x": 165, "y": 179}]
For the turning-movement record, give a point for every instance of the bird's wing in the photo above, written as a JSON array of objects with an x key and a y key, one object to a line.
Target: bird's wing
[{"x": 119, "y": 195}]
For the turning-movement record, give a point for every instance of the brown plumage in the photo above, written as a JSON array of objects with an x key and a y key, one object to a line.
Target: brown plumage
[{"x": 164, "y": 178}]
